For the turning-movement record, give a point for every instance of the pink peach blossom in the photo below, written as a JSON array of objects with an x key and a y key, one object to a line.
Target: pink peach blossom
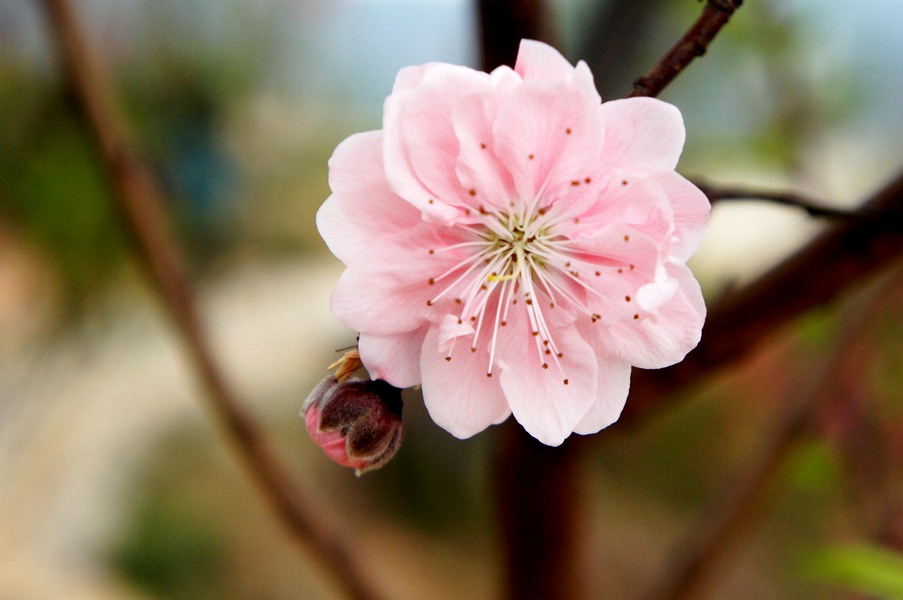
[{"x": 515, "y": 245}]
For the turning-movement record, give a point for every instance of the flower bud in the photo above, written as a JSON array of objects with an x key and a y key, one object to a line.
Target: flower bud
[{"x": 356, "y": 423}]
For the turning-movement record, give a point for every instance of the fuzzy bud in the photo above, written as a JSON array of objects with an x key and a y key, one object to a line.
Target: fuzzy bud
[{"x": 356, "y": 423}]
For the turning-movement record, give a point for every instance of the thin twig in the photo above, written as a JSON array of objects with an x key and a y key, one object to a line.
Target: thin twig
[
  {"x": 737, "y": 507},
  {"x": 811, "y": 207},
  {"x": 693, "y": 44},
  {"x": 140, "y": 207}
]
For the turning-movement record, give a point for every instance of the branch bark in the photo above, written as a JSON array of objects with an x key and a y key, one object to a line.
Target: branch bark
[
  {"x": 811, "y": 207},
  {"x": 691, "y": 45},
  {"x": 139, "y": 205},
  {"x": 738, "y": 507},
  {"x": 537, "y": 494},
  {"x": 504, "y": 23}
]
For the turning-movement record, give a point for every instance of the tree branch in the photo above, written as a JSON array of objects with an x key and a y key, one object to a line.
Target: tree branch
[
  {"x": 504, "y": 23},
  {"x": 737, "y": 507},
  {"x": 694, "y": 43},
  {"x": 537, "y": 492},
  {"x": 140, "y": 207},
  {"x": 812, "y": 208}
]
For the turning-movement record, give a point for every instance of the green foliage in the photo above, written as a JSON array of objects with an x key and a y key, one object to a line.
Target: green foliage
[
  {"x": 175, "y": 545},
  {"x": 51, "y": 188},
  {"x": 870, "y": 570},
  {"x": 814, "y": 467},
  {"x": 173, "y": 552}
]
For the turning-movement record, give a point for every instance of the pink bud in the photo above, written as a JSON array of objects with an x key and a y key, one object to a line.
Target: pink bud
[{"x": 356, "y": 423}]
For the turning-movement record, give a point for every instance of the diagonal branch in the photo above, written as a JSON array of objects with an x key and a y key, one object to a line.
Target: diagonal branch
[
  {"x": 693, "y": 44},
  {"x": 140, "y": 208},
  {"x": 701, "y": 556}
]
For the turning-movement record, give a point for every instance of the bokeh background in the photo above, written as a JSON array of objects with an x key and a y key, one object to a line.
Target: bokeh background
[{"x": 115, "y": 483}]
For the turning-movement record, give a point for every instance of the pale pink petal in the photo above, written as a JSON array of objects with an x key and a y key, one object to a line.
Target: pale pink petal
[
  {"x": 663, "y": 337},
  {"x": 379, "y": 305},
  {"x": 611, "y": 394},
  {"x": 547, "y": 402},
  {"x": 642, "y": 135},
  {"x": 458, "y": 395},
  {"x": 409, "y": 78},
  {"x": 548, "y": 134},
  {"x": 478, "y": 168},
  {"x": 538, "y": 60},
  {"x": 420, "y": 143},
  {"x": 385, "y": 291},
  {"x": 450, "y": 329},
  {"x": 638, "y": 202},
  {"x": 652, "y": 295},
  {"x": 393, "y": 358},
  {"x": 691, "y": 213},
  {"x": 349, "y": 225},
  {"x": 629, "y": 255}
]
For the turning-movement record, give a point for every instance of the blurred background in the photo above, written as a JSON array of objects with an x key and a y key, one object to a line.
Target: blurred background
[{"x": 114, "y": 482}]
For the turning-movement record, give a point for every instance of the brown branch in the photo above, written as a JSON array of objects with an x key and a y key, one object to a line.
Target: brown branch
[
  {"x": 815, "y": 275},
  {"x": 140, "y": 207},
  {"x": 737, "y": 507},
  {"x": 693, "y": 44},
  {"x": 537, "y": 492},
  {"x": 504, "y": 23},
  {"x": 812, "y": 208}
]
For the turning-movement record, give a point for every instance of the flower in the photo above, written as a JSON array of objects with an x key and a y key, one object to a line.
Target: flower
[
  {"x": 356, "y": 423},
  {"x": 515, "y": 245}
]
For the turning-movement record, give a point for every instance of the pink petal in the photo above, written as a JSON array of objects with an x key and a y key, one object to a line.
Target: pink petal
[
  {"x": 349, "y": 226},
  {"x": 393, "y": 358},
  {"x": 409, "y": 78},
  {"x": 638, "y": 202},
  {"x": 385, "y": 291},
  {"x": 547, "y": 402},
  {"x": 538, "y": 60},
  {"x": 652, "y": 295},
  {"x": 450, "y": 329},
  {"x": 662, "y": 338},
  {"x": 478, "y": 168},
  {"x": 548, "y": 134},
  {"x": 611, "y": 394},
  {"x": 420, "y": 143},
  {"x": 621, "y": 245},
  {"x": 373, "y": 304},
  {"x": 642, "y": 135},
  {"x": 691, "y": 213},
  {"x": 457, "y": 393}
]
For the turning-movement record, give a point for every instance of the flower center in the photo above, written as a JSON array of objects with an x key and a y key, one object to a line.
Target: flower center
[{"x": 508, "y": 259}]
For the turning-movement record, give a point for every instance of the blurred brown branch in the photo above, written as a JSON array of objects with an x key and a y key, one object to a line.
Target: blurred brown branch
[
  {"x": 691, "y": 45},
  {"x": 504, "y": 23},
  {"x": 737, "y": 506},
  {"x": 140, "y": 206},
  {"x": 717, "y": 193}
]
